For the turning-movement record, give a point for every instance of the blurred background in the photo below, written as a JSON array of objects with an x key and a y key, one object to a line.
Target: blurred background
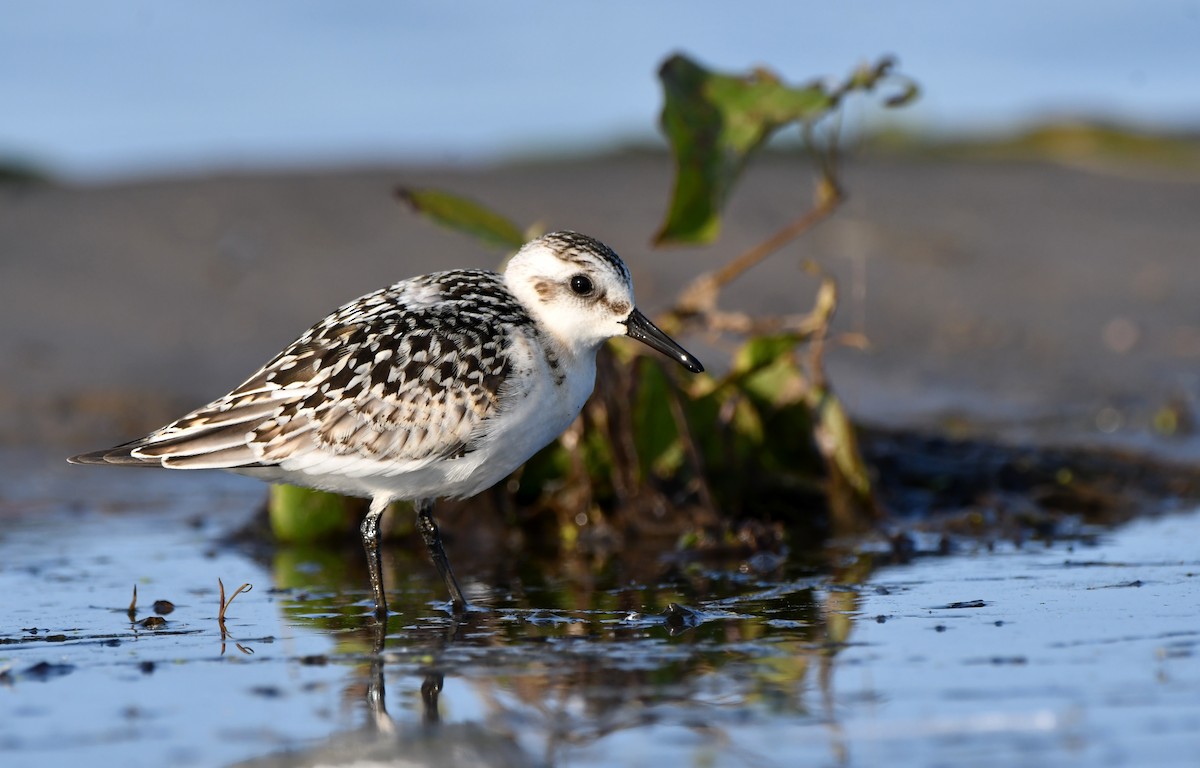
[
  {"x": 115, "y": 90},
  {"x": 209, "y": 180},
  {"x": 186, "y": 187}
]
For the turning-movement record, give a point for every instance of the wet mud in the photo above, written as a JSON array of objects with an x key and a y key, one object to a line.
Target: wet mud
[{"x": 974, "y": 647}]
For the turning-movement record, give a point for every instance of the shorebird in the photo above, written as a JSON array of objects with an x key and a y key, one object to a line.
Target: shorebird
[{"x": 435, "y": 387}]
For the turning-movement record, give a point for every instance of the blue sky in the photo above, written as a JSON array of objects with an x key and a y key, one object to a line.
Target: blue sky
[{"x": 111, "y": 89}]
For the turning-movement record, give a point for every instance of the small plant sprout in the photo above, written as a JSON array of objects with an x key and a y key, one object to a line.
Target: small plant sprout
[
  {"x": 224, "y": 607},
  {"x": 226, "y": 603}
]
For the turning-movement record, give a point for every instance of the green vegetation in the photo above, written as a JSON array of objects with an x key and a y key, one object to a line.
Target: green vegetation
[
  {"x": 14, "y": 172},
  {"x": 768, "y": 439},
  {"x": 1079, "y": 142}
]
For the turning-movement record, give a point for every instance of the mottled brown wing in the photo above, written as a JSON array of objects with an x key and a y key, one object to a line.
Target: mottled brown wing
[
  {"x": 384, "y": 394},
  {"x": 420, "y": 391},
  {"x": 386, "y": 378}
]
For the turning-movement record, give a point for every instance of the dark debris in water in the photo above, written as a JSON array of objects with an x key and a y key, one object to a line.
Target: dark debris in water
[
  {"x": 267, "y": 691},
  {"x": 963, "y": 604},
  {"x": 34, "y": 637},
  {"x": 679, "y": 618},
  {"x": 45, "y": 670},
  {"x": 1000, "y": 661},
  {"x": 1125, "y": 585}
]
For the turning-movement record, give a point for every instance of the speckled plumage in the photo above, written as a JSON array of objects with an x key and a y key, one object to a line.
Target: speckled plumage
[
  {"x": 437, "y": 386},
  {"x": 405, "y": 374}
]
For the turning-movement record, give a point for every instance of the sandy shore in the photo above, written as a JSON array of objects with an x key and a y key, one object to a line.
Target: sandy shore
[{"x": 1021, "y": 299}]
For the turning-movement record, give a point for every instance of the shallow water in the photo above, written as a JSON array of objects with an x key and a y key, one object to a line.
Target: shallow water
[{"x": 1068, "y": 654}]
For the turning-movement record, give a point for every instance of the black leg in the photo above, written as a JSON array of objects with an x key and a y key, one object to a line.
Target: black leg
[
  {"x": 433, "y": 542},
  {"x": 377, "y": 700},
  {"x": 371, "y": 535},
  {"x": 431, "y": 686}
]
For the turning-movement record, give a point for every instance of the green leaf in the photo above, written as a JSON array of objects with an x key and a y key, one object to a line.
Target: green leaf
[
  {"x": 761, "y": 351},
  {"x": 463, "y": 215},
  {"x": 304, "y": 515},
  {"x": 656, "y": 438},
  {"x": 713, "y": 122},
  {"x": 838, "y": 443}
]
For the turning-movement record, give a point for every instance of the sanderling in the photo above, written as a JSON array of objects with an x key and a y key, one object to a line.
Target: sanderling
[{"x": 438, "y": 386}]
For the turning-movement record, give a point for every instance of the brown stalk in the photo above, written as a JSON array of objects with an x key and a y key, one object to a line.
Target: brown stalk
[
  {"x": 221, "y": 614},
  {"x": 699, "y": 297},
  {"x": 226, "y": 603}
]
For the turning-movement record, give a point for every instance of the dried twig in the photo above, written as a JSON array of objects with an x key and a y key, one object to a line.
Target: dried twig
[
  {"x": 699, "y": 298},
  {"x": 225, "y": 603}
]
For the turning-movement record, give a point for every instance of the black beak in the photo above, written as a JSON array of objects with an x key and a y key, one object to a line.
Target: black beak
[{"x": 648, "y": 333}]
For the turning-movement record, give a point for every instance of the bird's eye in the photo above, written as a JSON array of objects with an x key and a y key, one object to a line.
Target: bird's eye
[{"x": 582, "y": 285}]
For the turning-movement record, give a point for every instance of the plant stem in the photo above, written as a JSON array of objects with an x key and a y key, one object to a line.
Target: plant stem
[{"x": 699, "y": 297}]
